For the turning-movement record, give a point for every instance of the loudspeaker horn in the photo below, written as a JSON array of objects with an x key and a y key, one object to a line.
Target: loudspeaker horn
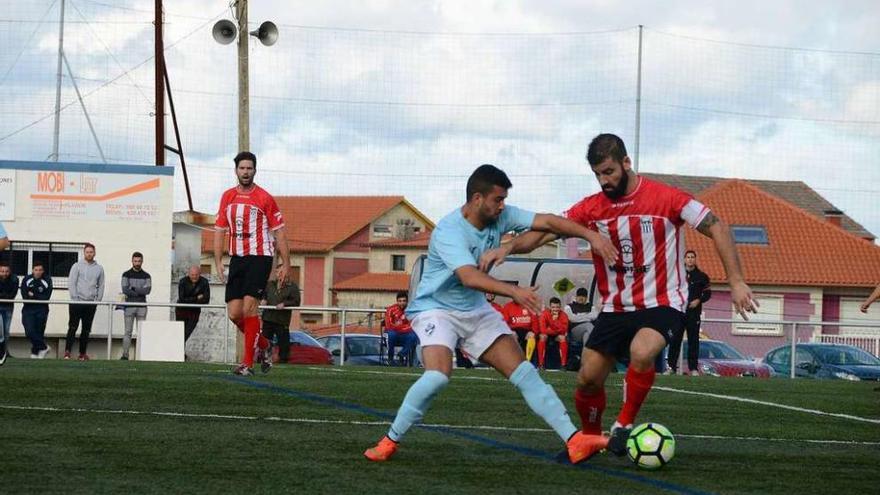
[
  {"x": 267, "y": 33},
  {"x": 224, "y": 32}
]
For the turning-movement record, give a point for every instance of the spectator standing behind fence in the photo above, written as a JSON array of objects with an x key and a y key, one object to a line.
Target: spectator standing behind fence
[
  {"x": 399, "y": 330},
  {"x": 136, "y": 285},
  {"x": 192, "y": 289},
  {"x": 276, "y": 322},
  {"x": 870, "y": 300},
  {"x": 85, "y": 283},
  {"x": 553, "y": 325},
  {"x": 698, "y": 293},
  {"x": 38, "y": 287},
  {"x": 8, "y": 289}
]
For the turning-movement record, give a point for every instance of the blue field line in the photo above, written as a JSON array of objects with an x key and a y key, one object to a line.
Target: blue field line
[{"x": 489, "y": 442}]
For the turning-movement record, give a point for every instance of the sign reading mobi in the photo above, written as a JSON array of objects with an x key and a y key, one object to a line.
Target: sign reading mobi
[{"x": 94, "y": 196}]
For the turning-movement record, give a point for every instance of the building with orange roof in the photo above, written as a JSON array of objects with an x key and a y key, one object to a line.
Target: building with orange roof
[
  {"x": 348, "y": 251},
  {"x": 802, "y": 267}
]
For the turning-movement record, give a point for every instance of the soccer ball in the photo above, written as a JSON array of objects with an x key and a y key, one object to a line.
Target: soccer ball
[{"x": 650, "y": 446}]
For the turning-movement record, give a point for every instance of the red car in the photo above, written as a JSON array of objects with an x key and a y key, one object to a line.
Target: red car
[
  {"x": 305, "y": 350},
  {"x": 719, "y": 358}
]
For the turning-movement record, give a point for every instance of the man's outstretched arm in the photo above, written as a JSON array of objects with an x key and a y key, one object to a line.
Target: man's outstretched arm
[{"x": 740, "y": 292}]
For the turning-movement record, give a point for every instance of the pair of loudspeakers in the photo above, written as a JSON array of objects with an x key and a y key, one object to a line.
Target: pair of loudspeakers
[{"x": 224, "y": 32}]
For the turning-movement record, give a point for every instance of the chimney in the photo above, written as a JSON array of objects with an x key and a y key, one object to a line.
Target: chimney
[{"x": 834, "y": 217}]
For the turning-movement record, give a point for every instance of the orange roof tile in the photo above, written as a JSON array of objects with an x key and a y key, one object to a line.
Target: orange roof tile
[
  {"x": 316, "y": 224},
  {"x": 384, "y": 282},
  {"x": 803, "y": 250}
]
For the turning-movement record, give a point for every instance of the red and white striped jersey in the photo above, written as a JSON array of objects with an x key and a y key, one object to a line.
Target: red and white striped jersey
[
  {"x": 645, "y": 227},
  {"x": 250, "y": 217}
]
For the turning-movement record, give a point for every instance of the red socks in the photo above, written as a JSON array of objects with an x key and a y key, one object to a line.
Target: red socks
[
  {"x": 563, "y": 353},
  {"x": 590, "y": 408},
  {"x": 542, "y": 351},
  {"x": 251, "y": 331},
  {"x": 636, "y": 386}
]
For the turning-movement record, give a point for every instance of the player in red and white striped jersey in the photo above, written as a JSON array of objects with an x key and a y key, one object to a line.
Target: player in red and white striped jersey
[
  {"x": 251, "y": 217},
  {"x": 645, "y": 291}
]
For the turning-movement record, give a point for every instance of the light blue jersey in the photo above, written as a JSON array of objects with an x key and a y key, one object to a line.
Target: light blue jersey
[
  {"x": 2, "y": 231},
  {"x": 456, "y": 243}
]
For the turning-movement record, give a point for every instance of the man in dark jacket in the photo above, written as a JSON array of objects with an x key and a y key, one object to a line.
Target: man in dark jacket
[
  {"x": 276, "y": 322},
  {"x": 192, "y": 289},
  {"x": 136, "y": 285},
  {"x": 36, "y": 286},
  {"x": 698, "y": 293},
  {"x": 8, "y": 290}
]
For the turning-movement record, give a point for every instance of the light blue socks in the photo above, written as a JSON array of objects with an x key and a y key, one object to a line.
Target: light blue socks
[
  {"x": 543, "y": 400},
  {"x": 417, "y": 401}
]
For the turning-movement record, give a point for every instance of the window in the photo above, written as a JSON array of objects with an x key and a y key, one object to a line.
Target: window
[
  {"x": 398, "y": 263},
  {"x": 57, "y": 258},
  {"x": 750, "y": 234},
  {"x": 381, "y": 230},
  {"x": 770, "y": 308}
]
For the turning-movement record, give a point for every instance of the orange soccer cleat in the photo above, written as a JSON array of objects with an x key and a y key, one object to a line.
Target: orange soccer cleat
[
  {"x": 582, "y": 446},
  {"x": 382, "y": 451}
]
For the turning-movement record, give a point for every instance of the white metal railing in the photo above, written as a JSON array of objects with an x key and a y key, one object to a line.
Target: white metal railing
[
  {"x": 867, "y": 343},
  {"x": 110, "y": 304}
]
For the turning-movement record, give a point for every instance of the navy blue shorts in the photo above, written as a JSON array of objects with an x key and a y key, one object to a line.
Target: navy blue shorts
[{"x": 248, "y": 276}]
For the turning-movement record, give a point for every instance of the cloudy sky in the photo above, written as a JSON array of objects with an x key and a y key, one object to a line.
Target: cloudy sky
[{"x": 407, "y": 97}]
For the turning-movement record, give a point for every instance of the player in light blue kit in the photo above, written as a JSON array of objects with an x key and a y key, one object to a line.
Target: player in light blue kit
[{"x": 450, "y": 307}]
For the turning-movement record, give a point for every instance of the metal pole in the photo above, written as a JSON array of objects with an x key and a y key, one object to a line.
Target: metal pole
[
  {"x": 109, "y": 330},
  {"x": 54, "y": 155},
  {"x": 226, "y": 336},
  {"x": 177, "y": 136},
  {"x": 638, "y": 104},
  {"x": 793, "y": 348},
  {"x": 85, "y": 111},
  {"x": 342, "y": 339},
  {"x": 244, "y": 138},
  {"x": 159, "y": 64}
]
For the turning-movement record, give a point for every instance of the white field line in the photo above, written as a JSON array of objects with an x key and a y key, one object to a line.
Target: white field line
[
  {"x": 238, "y": 417},
  {"x": 656, "y": 387}
]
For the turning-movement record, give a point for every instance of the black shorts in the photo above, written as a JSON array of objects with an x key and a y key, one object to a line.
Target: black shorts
[
  {"x": 248, "y": 276},
  {"x": 613, "y": 332}
]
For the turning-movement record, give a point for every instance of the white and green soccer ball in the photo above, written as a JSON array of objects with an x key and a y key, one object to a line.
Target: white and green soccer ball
[{"x": 650, "y": 446}]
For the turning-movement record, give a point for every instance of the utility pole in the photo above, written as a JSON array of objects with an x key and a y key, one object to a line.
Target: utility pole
[
  {"x": 54, "y": 155},
  {"x": 244, "y": 134},
  {"x": 638, "y": 103},
  {"x": 159, "y": 61}
]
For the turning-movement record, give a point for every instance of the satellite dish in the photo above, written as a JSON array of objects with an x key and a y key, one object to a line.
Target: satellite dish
[
  {"x": 267, "y": 33},
  {"x": 224, "y": 32}
]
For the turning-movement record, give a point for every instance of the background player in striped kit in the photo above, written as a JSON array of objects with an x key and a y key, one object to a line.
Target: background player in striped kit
[
  {"x": 254, "y": 222},
  {"x": 644, "y": 292}
]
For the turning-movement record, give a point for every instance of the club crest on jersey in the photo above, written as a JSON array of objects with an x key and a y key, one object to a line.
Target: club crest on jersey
[
  {"x": 647, "y": 226},
  {"x": 626, "y": 251}
]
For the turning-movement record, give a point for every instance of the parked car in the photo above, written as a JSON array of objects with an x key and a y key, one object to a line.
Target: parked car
[
  {"x": 360, "y": 348},
  {"x": 304, "y": 349},
  {"x": 719, "y": 358},
  {"x": 817, "y": 360}
]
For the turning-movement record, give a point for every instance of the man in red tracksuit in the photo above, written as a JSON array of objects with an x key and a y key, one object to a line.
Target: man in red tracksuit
[
  {"x": 553, "y": 325},
  {"x": 524, "y": 323},
  {"x": 399, "y": 331}
]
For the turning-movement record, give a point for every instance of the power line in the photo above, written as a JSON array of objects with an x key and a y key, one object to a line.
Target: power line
[
  {"x": 27, "y": 43},
  {"x": 111, "y": 81},
  {"x": 762, "y": 115},
  {"x": 768, "y": 47}
]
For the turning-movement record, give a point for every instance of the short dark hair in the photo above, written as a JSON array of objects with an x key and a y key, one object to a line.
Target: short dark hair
[
  {"x": 3, "y": 263},
  {"x": 245, "y": 155},
  {"x": 484, "y": 178},
  {"x": 604, "y": 146},
  {"x": 555, "y": 300},
  {"x": 582, "y": 292},
  {"x": 689, "y": 251},
  {"x": 137, "y": 254},
  {"x": 88, "y": 245},
  {"x": 402, "y": 293},
  {"x": 38, "y": 263}
]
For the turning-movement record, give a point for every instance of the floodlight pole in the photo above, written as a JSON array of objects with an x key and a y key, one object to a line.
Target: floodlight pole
[
  {"x": 244, "y": 135},
  {"x": 159, "y": 63},
  {"x": 54, "y": 155}
]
